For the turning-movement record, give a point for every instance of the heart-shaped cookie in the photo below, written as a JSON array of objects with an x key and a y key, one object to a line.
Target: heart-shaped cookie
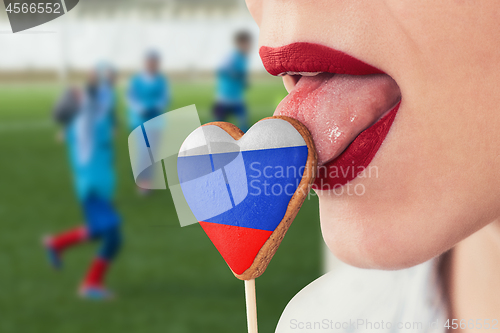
[{"x": 246, "y": 189}]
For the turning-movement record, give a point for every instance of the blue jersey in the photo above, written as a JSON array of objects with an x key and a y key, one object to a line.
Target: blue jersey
[
  {"x": 89, "y": 137},
  {"x": 232, "y": 78},
  {"x": 148, "y": 96}
]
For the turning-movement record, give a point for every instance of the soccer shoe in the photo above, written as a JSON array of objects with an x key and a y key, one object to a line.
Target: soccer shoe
[
  {"x": 97, "y": 293},
  {"x": 52, "y": 255}
]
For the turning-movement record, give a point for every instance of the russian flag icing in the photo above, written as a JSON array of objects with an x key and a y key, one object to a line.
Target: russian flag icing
[{"x": 239, "y": 190}]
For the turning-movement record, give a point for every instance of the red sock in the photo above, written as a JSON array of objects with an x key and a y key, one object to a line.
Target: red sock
[
  {"x": 68, "y": 238},
  {"x": 96, "y": 273}
]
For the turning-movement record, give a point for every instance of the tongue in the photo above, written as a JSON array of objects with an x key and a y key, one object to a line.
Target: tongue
[{"x": 336, "y": 108}]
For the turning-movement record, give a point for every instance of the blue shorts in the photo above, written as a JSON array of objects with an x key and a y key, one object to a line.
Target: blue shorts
[
  {"x": 100, "y": 216},
  {"x": 222, "y": 110}
]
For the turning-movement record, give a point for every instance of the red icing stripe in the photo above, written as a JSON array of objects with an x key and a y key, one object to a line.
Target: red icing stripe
[{"x": 237, "y": 245}]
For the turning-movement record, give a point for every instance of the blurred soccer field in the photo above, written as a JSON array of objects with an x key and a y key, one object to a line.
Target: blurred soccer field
[{"x": 167, "y": 278}]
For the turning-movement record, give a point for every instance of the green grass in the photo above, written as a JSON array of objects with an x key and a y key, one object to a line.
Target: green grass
[{"x": 168, "y": 278}]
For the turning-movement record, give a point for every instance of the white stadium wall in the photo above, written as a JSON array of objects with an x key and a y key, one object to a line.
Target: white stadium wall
[{"x": 190, "y": 42}]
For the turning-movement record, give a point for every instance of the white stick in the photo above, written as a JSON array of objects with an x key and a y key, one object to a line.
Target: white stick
[{"x": 251, "y": 306}]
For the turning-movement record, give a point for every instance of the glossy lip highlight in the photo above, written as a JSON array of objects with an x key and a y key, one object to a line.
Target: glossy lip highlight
[{"x": 308, "y": 57}]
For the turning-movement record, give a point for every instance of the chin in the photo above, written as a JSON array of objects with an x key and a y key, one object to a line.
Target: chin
[
  {"x": 382, "y": 249},
  {"x": 376, "y": 236}
]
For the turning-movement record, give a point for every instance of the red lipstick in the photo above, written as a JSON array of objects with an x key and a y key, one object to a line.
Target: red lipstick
[
  {"x": 309, "y": 57},
  {"x": 347, "y": 104}
]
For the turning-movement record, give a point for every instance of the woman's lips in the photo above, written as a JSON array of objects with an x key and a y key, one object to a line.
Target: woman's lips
[
  {"x": 346, "y": 107},
  {"x": 309, "y": 57},
  {"x": 336, "y": 108}
]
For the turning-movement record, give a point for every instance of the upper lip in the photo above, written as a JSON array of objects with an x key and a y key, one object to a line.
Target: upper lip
[{"x": 304, "y": 57}]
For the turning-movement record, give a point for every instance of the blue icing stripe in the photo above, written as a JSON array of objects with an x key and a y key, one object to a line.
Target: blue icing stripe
[
  {"x": 193, "y": 167},
  {"x": 250, "y": 189}
]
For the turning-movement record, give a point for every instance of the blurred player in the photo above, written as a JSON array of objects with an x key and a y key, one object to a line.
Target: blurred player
[
  {"x": 232, "y": 80},
  {"x": 148, "y": 96},
  {"x": 89, "y": 123}
]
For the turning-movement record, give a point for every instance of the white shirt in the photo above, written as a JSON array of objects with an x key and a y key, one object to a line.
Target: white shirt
[{"x": 359, "y": 300}]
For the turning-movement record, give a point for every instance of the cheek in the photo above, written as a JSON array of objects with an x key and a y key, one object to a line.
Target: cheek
[{"x": 449, "y": 37}]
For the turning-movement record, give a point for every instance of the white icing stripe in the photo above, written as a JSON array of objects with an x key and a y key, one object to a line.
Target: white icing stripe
[{"x": 266, "y": 134}]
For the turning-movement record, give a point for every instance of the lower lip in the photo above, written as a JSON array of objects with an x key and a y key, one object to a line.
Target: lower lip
[{"x": 358, "y": 155}]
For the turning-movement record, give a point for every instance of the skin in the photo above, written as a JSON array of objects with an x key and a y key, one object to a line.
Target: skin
[
  {"x": 438, "y": 168},
  {"x": 152, "y": 65},
  {"x": 244, "y": 47},
  {"x": 472, "y": 281}
]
